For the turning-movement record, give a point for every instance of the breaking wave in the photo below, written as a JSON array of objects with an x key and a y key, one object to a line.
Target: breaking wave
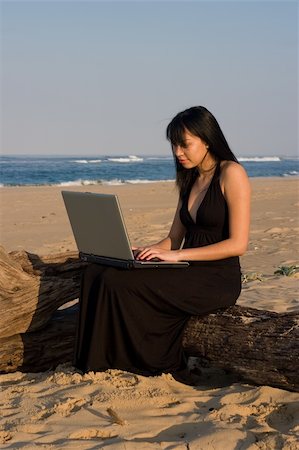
[
  {"x": 87, "y": 161},
  {"x": 259, "y": 159},
  {"x": 128, "y": 159}
]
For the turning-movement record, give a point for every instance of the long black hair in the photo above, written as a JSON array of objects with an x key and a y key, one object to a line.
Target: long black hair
[{"x": 201, "y": 123}]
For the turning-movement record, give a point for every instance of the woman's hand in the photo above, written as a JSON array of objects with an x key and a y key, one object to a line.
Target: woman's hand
[
  {"x": 149, "y": 253},
  {"x": 168, "y": 248}
]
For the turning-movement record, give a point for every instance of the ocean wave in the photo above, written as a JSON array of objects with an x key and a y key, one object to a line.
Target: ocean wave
[
  {"x": 118, "y": 182},
  {"x": 292, "y": 173},
  {"x": 259, "y": 159},
  {"x": 113, "y": 182},
  {"x": 147, "y": 181},
  {"x": 128, "y": 159},
  {"x": 86, "y": 161},
  {"x": 78, "y": 183}
]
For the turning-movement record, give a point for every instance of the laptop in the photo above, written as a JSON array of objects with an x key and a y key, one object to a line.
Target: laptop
[{"x": 100, "y": 233}]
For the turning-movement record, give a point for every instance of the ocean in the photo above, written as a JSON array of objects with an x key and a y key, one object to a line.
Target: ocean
[{"x": 75, "y": 171}]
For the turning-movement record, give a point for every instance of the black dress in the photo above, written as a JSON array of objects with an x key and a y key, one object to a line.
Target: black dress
[{"x": 134, "y": 319}]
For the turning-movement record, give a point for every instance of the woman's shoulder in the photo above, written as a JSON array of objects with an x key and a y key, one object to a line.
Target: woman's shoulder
[
  {"x": 232, "y": 174},
  {"x": 232, "y": 169}
]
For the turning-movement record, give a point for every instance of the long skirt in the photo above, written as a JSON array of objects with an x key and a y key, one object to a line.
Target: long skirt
[{"x": 134, "y": 319}]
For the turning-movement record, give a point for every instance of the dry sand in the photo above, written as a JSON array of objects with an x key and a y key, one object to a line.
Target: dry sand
[{"x": 118, "y": 410}]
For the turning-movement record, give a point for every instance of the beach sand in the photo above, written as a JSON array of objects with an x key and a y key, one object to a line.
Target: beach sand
[{"x": 63, "y": 409}]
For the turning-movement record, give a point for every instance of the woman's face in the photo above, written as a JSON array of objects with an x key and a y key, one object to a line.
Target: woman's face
[{"x": 190, "y": 154}]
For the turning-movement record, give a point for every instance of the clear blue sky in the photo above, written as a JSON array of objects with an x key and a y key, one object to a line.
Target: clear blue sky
[{"x": 106, "y": 77}]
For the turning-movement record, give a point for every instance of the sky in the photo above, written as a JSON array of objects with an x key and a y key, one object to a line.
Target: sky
[{"x": 105, "y": 78}]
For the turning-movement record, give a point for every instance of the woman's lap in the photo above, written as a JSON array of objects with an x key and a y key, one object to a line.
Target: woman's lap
[{"x": 135, "y": 318}]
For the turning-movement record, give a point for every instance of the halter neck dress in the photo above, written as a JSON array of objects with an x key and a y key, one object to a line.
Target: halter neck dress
[{"x": 134, "y": 319}]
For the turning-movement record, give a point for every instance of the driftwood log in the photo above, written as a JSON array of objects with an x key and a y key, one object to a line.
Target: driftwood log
[{"x": 258, "y": 346}]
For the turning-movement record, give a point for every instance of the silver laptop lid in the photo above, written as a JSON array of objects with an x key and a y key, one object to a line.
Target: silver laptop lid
[{"x": 97, "y": 224}]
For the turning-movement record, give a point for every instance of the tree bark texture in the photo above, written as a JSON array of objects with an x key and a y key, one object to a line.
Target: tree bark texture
[
  {"x": 32, "y": 289},
  {"x": 259, "y": 346}
]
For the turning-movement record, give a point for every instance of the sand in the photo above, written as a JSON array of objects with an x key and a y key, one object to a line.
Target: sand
[{"x": 64, "y": 409}]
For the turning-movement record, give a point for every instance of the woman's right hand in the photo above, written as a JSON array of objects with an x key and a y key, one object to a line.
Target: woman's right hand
[{"x": 139, "y": 252}]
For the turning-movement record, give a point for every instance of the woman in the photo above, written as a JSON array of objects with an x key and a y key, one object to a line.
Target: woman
[{"x": 134, "y": 320}]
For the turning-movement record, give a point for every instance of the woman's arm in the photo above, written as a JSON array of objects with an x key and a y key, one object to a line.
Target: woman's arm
[{"x": 236, "y": 190}]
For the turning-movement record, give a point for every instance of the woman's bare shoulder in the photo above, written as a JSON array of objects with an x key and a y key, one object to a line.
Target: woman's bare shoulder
[
  {"x": 232, "y": 169},
  {"x": 233, "y": 174}
]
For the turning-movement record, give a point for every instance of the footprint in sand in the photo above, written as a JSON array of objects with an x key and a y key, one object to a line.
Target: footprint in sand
[
  {"x": 285, "y": 418},
  {"x": 124, "y": 380},
  {"x": 270, "y": 440}
]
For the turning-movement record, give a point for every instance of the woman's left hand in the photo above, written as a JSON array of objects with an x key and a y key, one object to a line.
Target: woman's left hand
[{"x": 148, "y": 253}]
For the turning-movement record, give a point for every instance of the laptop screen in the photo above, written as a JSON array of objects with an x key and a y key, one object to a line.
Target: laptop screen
[{"x": 98, "y": 224}]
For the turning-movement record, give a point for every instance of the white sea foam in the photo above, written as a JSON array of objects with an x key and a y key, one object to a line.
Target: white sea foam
[
  {"x": 147, "y": 181},
  {"x": 85, "y": 161},
  {"x": 118, "y": 182},
  {"x": 259, "y": 159},
  {"x": 77, "y": 183},
  {"x": 135, "y": 158},
  {"x": 115, "y": 182},
  {"x": 292, "y": 173},
  {"x": 129, "y": 159}
]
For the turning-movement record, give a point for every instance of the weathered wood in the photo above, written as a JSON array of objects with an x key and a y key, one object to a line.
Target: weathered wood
[
  {"x": 32, "y": 289},
  {"x": 260, "y": 346},
  {"x": 42, "y": 349}
]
